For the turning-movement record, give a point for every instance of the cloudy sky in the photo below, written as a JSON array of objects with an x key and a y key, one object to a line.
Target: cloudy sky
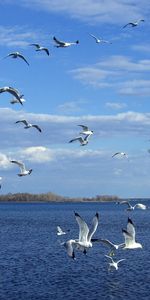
[{"x": 104, "y": 86}]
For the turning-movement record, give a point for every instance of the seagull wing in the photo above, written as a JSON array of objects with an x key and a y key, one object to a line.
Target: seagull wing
[
  {"x": 120, "y": 260},
  {"x": 20, "y": 164},
  {"x": 59, "y": 230},
  {"x": 58, "y": 42},
  {"x": 80, "y": 139},
  {"x": 115, "y": 154},
  {"x": 140, "y": 205},
  {"x": 69, "y": 247},
  {"x": 107, "y": 243},
  {"x": 93, "y": 227},
  {"x": 22, "y": 121},
  {"x": 37, "y": 127},
  {"x": 36, "y": 45},
  {"x": 14, "y": 92},
  {"x": 21, "y": 56},
  {"x": 46, "y": 50},
  {"x": 126, "y": 202},
  {"x": 84, "y": 127},
  {"x": 131, "y": 228},
  {"x": 110, "y": 258},
  {"x": 93, "y": 36},
  {"x": 83, "y": 228}
]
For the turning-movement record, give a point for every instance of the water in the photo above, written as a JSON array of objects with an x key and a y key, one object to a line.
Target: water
[{"x": 34, "y": 265}]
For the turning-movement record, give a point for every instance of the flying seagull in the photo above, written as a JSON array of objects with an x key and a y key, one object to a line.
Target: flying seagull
[
  {"x": 29, "y": 125},
  {"x": 120, "y": 154},
  {"x": 133, "y": 24},
  {"x": 83, "y": 141},
  {"x": 15, "y": 100},
  {"x": 12, "y": 91},
  {"x": 112, "y": 246},
  {"x": 22, "y": 168},
  {"x": 40, "y": 48},
  {"x": 60, "y": 231},
  {"x": 63, "y": 44},
  {"x": 86, "y": 130},
  {"x": 84, "y": 241},
  {"x": 130, "y": 207},
  {"x": 114, "y": 264},
  {"x": 99, "y": 40},
  {"x": 129, "y": 235},
  {"x": 17, "y": 55}
]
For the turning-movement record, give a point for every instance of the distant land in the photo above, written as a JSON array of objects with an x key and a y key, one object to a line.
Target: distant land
[{"x": 51, "y": 197}]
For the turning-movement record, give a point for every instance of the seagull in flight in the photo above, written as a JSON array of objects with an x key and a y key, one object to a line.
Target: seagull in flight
[
  {"x": 40, "y": 48},
  {"x": 84, "y": 241},
  {"x": 114, "y": 264},
  {"x": 15, "y": 100},
  {"x": 23, "y": 170},
  {"x": 130, "y": 207},
  {"x": 99, "y": 40},
  {"x": 83, "y": 141},
  {"x": 134, "y": 24},
  {"x": 60, "y": 231},
  {"x": 29, "y": 125},
  {"x": 129, "y": 235},
  {"x": 86, "y": 130},
  {"x": 17, "y": 55},
  {"x": 112, "y": 246},
  {"x": 123, "y": 154},
  {"x": 12, "y": 91},
  {"x": 63, "y": 44}
]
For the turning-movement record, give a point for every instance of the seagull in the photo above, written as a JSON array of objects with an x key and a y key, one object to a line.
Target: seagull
[
  {"x": 86, "y": 130},
  {"x": 112, "y": 246},
  {"x": 114, "y": 264},
  {"x": 40, "y": 48},
  {"x": 129, "y": 236},
  {"x": 85, "y": 236},
  {"x": 83, "y": 141},
  {"x": 63, "y": 44},
  {"x": 29, "y": 125},
  {"x": 133, "y": 24},
  {"x": 22, "y": 168},
  {"x": 120, "y": 154},
  {"x": 130, "y": 207},
  {"x": 99, "y": 40},
  {"x": 12, "y": 91},
  {"x": 16, "y": 55},
  {"x": 60, "y": 231},
  {"x": 15, "y": 100}
]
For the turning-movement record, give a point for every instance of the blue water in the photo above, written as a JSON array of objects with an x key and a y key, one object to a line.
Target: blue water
[{"x": 34, "y": 265}]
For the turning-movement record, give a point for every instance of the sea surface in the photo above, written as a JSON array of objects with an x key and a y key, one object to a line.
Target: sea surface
[{"x": 34, "y": 264}]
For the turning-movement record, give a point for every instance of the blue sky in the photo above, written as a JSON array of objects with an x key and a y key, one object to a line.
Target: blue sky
[{"x": 104, "y": 86}]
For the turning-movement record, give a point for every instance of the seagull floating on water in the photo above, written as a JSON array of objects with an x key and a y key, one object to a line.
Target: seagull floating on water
[
  {"x": 86, "y": 130},
  {"x": 85, "y": 236},
  {"x": 23, "y": 170},
  {"x": 129, "y": 236},
  {"x": 40, "y": 48},
  {"x": 63, "y": 44},
  {"x": 17, "y": 55},
  {"x": 130, "y": 207},
  {"x": 99, "y": 40},
  {"x": 29, "y": 125},
  {"x": 83, "y": 141},
  {"x": 120, "y": 154},
  {"x": 12, "y": 91},
  {"x": 133, "y": 24},
  {"x": 114, "y": 264}
]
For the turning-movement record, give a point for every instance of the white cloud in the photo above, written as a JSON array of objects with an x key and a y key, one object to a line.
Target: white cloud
[
  {"x": 116, "y": 105},
  {"x": 4, "y": 161}
]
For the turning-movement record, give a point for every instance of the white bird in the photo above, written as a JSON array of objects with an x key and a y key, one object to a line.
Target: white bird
[
  {"x": 64, "y": 44},
  {"x": 120, "y": 154},
  {"x": 133, "y": 24},
  {"x": 40, "y": 48},
  {"x": 12, "y": 91},
  {"x": 129, "y": 236},
  {"x": 83, "y": 141},
  {"x": 60, "y": 231},
  {"x": 112, "y": 246},
  {"x": 130, "y": 207},
  {"x": 17, "y": 55},
  {"x": 15, "y": 100},
  {"x": 29, "y": 125},
  {"x": 85, "y": 236},
  {"x": 114, "y": 264},
  {"x": 86, "y": 130},
  {"x": 99, "y": 40},
  {"x": 22, "y": 168}
]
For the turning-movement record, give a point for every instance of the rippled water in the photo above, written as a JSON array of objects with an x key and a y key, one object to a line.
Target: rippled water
[{"x": 34, "y": 264}]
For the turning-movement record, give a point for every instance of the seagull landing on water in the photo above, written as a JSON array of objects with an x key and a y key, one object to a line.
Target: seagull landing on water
[
  {"x": 113, "y": 247},
  {"x": 99, "y": 40},
  {"x": 63, "y": 44},
  {"x": 86, "y": 130},
  {"x": 23, "y": 170},
  {"x": 12, "y": 91},
  {"x": 129, "y": 236},
  {"x": 121, "y": 154},
  {"x": 81, "y": 140},
  {"x": 15, "y": 100},
  {"x": 114, "y": 264},
  {"x": 134, "y": 24},
  {"x": 130, "y": 207},
  {"x": 84, "y": 241},
  {"x": 17, "y": 55},
  {"x": 29, "y": 125},
  {"x": 40, "y": 48}
]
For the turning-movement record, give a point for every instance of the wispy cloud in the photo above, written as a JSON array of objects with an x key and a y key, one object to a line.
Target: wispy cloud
[{"x": 116, "y": 105}]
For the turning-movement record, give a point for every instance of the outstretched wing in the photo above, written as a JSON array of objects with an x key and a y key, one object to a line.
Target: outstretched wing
[
  {"x": 20, "y": 164},
  {"x": 80, "y": 139},
  {"x": 58, "y": 42},
  {"x": 93, "y": 227},
  {"x": 84, "y": 127},
  {"x": 37, "y": 127},
  {"x": 21, "y": 56},
  {"x": 22, "y": 121},
  {"x": 69, "y": 247},
  {"x": 83, "y": 228}
]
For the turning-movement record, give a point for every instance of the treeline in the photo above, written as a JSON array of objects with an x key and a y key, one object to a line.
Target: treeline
[{"x": 51, "y": 197}]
